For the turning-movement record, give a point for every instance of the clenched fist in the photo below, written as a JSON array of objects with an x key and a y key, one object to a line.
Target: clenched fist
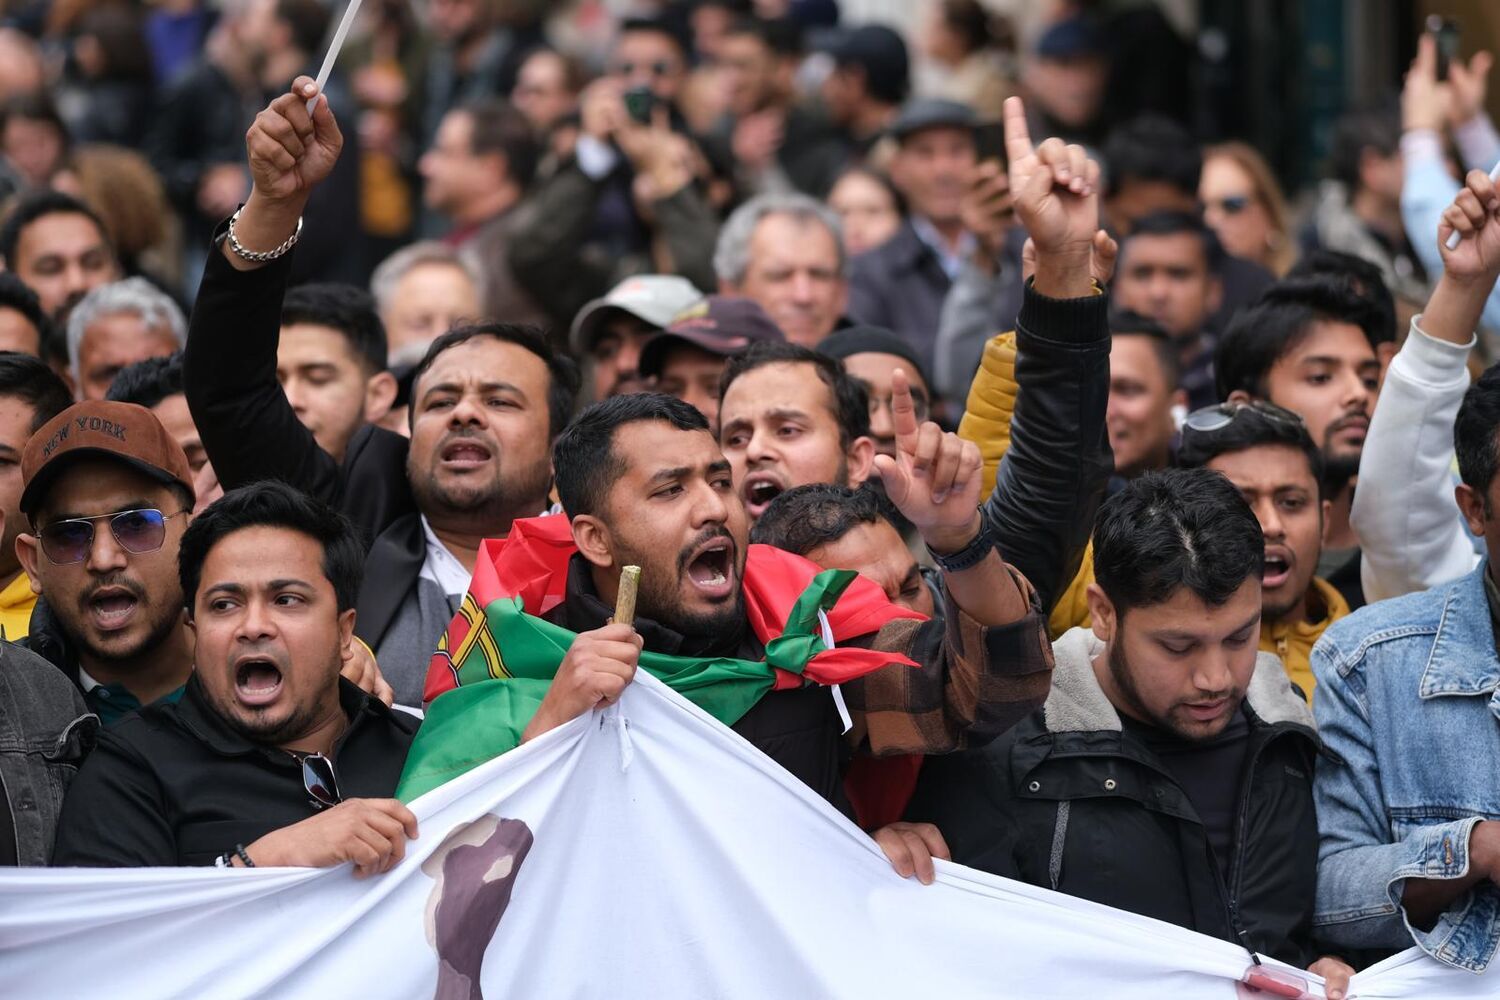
[
  {"x": 290, "y": 151},
  {"x": 594, "y": 673}
]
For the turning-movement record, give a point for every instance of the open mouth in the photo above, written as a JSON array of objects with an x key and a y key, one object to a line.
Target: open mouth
[
  {"x": 112, "y": 608},
  {"x": 759, "y": 490},
  {"x": 1207, "y": 711},
  {"x": 711, "y": 568},
  {"x": 465, "y": 453},
  {"x": 1278, "y": 568},
  {"x": 257, "y": 681}
]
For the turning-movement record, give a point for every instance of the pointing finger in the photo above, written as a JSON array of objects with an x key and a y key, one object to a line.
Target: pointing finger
[
  {"x": 1017, "y": 134},
  {"x": 903, "y": 413}
]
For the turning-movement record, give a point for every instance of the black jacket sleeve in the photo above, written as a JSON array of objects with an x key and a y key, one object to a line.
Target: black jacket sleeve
[
  {"x": 1053, "y": 476},
  {"x": 229, "y": 372},
  {"x": 115, "y": 815}
]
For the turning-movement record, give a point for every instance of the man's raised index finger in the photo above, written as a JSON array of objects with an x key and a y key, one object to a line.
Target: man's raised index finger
[
  {"x": 903, "y": 412},
  {"x": 1017, "y": 134}
]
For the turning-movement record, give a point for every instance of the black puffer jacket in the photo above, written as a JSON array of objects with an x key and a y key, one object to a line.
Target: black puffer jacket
[{"x": 1070, "y": 800}]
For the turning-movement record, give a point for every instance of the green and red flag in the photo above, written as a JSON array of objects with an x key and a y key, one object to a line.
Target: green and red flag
[{"x": 494, "y": 663}]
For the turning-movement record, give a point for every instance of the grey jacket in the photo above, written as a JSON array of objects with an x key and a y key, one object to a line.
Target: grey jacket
[
  {"x": 901, "y": 285},
  {"x": 45, "y": 732}
]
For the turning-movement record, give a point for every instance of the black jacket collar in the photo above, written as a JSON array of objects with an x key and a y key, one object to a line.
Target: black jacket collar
[
  {"x": 194, "y": 714},
  {"x": 583, "y": 611}
]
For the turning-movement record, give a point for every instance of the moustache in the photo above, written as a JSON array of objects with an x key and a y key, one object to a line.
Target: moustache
[{"x": 708, "y": 534}]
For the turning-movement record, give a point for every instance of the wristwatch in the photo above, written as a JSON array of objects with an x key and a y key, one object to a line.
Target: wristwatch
[{"x": 970, "y": 555}]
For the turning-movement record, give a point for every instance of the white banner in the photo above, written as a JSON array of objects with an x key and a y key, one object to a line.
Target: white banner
[{"x": 645, "y": 852}]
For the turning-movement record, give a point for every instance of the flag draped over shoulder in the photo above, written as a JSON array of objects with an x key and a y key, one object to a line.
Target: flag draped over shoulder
[{"x": 494, "y": 663}]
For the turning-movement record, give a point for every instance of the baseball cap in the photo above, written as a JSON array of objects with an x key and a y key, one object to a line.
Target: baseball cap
[
  {"x": 1072, "y": 38},
  {"x": 651, "y": 298},
  {"x": 720, "y": 324},
  {"x": 871, "y": 340},
  {"x": 100, "y": 428},
  {"x": 932, "y": 112}
]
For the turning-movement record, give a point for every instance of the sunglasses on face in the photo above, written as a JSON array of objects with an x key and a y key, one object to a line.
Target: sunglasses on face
[
  {"x": 137, "y": 531},
  {"x": 1221, "y": 415},
  {"x": 1233, "y": 205},
  {"x": 320, "y": 781},
  {"x": 658, "y": 69}
]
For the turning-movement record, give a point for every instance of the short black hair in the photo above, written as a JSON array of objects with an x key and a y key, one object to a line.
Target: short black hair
[
  {"x": 1128, "y": 323},
  {"x": 16, "y": 294},
  {"x": 1261, "y": 334},
  {"x": 34, "y": 107},
  {"x": 38, "y": 205},
  {"x": 1172, "y": 529},
  {"x": 345, "y": 308},
  {"x": 781, "y": 36},
  {"x": 1374, "y": 129},
  {"x": 1476, "y": 434},
  {"x": 499, "y": 128},
  {"x": 34, "y": 383},
  {"x": 1250, "y": 428},
  {"x": 665, "y": 26},
  {"x": 1363, "y": 277},
  {"x": 1178, "y": 224},
  {"x": 1152, "y": 148},
  {"x": 584, "y": 458},
  {"x": 850, "y": 403},
  {"x": 271, "y": 503},
  {"x": 308, "y": 20},
  {"x": 805, "y": 517},
  {"x": 146, "y": 383},
  {"x": 562, "y": 387}
]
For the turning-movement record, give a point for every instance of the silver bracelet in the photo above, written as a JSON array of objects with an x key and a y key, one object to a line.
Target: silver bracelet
[{"x": 260, "y": 256}]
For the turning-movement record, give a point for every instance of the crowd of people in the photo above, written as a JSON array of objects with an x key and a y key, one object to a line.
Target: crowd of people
[{"x": 1186, "y": 609}]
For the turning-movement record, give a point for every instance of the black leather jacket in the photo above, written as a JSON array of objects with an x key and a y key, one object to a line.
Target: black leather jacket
[{"x": 1051, "y": 481}]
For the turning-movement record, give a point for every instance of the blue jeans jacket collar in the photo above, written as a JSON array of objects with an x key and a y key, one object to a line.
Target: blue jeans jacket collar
[{"x": 1463, "y": 660}]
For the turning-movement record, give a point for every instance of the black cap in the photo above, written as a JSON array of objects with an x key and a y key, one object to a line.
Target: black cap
[
  {"x": 871, "y": 340},
  {"x": 1074, "y": 38},
  {"x": 719, "y": 324},
  {"x": 932, "y": 112},
  {"x": 878, "y": 50}
]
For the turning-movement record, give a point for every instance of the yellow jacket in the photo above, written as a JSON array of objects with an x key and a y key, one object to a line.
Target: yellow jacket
[
  {"x": 16, "y": 602},
  {"x": 1294, "y": 642},
  {"x": 986, "y": 422}
]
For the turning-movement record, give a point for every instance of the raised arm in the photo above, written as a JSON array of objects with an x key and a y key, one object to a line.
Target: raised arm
[
  {"x": 988, "y": 663},
  {"x": 1404, "y": 510},
  {"x": 1053, "y": 476},
  {"x": 229, "y": 368}
]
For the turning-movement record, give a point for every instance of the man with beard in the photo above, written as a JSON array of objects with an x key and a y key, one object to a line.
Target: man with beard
[
  {"x": 1170, "y": 771},
  {"x": 645, "y": 484},
  {"x": 486, "y": 402},
  {"x": 108, "y": 493},
  {"x": 789, "y": 416},
  {"x": 269, "y": 758},
  {"x": 1266, "y": 453},
  {"x": 1312, "y": 346}
]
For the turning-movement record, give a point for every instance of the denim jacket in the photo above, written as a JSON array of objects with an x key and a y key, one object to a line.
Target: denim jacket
[
  {"x": 45, "y": 732},
  {"x": 1407, "y": 700}
]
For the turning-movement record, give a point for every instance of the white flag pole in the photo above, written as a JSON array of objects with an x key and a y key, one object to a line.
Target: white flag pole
[
  {"x": 333, "y": 50},
  {"x": 1453, "y": 238}
]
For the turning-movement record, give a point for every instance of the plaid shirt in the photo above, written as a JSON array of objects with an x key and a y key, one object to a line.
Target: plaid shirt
[{"x": 972, "y": 682}]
